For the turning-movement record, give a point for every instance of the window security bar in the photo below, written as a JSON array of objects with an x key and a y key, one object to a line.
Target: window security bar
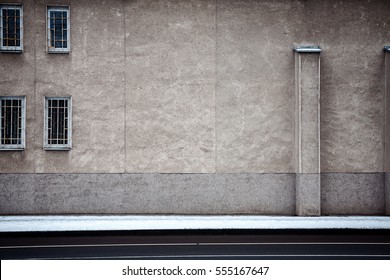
[
  {"x": 12, "y": 124},
  {"x": 58, "y": 124},
  {"x": 58, "y": 29},
  {"x": 11, "y": 28}
]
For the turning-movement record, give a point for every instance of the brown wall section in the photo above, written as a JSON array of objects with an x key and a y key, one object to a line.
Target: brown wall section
[
  {"x": 93, "y": 74},
  {"x": 200, "y": 86},
  {"x": 255, "y": 86},
  {"x": 17, "y": 77},
  {"x": 352, "y": 35},
  {"x": 170, "y": 86}
]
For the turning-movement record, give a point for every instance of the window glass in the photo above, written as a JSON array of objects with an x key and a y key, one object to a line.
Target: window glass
[
  {"x": 12, "y": 126},
  {"x": 58, "y": 123},
  {"x": 58, "y": 29},
  {"x": 11, "y": 28}
]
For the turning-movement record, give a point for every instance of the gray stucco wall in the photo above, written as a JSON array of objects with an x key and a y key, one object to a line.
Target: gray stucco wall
[{"x": 199, "y": 87}]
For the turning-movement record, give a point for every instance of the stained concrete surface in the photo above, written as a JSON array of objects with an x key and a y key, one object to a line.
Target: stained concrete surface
[
  {"x": 308, "y": 194},
  {"x": 387, "y": 111},
  {"x": 255, "y": 86},
  {"x": 201, "y": 86},
  {"x": 387, "y": 132},
  {"x": 170, "y": 86},
  {"x": 352, "y": 194},
  {"x": 352, "y": 82},
  {"x": 271, "y": 194},
  {"x": 17, "y": 78},
  {"x": 308, "y": 107},
  {"x": 93, "y": 76},
  {"x": 307, "y": 87}
]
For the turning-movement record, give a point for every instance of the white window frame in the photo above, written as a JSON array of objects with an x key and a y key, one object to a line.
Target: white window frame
[
  {"x": 16, "y": 49},
  {"x": 22, "y": 145},
  {"x": 46, "y": 144},
  {"x": 57, "y": 8}
]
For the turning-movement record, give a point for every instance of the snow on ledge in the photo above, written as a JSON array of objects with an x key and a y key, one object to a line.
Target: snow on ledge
[{"x": 176, "y": 222}]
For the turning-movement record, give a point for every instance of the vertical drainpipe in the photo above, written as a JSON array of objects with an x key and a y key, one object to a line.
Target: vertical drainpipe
[
  {"x": 307, "y": 130},
  {"x": 386, "y": 162}
]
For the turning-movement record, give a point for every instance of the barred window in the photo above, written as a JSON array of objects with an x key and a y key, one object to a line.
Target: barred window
[
  {"x": 12, "y": 124},
  {"x": 58, "y": 29},
  {"x": 58, "y": 123},
  {"x": 11, "y": 28}
]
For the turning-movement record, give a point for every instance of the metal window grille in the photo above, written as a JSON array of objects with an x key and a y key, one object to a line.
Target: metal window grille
[
  {"x": 58, "y": 124},
  {"x": 12, "y": 124},
  {"x": 58, "y": 29},
  {"x": 11, "y": 28}
]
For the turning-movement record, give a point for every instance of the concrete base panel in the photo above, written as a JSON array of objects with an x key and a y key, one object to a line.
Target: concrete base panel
[
  {"x": 259, "y": 194},
  {"x": 308, "y": 200},
  {"x": 353, "y": 193},
  {"x": 269, "y": 194}
]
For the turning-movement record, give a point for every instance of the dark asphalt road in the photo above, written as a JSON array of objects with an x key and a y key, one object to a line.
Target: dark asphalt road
[{"x": 236, "y": 244}]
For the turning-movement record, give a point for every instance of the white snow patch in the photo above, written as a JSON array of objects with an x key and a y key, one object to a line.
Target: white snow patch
[{"x": 176, "y": 222}]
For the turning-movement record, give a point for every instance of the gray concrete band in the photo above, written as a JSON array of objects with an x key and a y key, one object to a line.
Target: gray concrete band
[
  {"x": 212, "y": 194},
  {"x": 307, "y": 125}
]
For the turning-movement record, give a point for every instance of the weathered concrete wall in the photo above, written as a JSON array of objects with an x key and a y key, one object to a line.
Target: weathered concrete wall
[
  {"x": 198, "y": 86},
  {"x": 352, "y": 194},
  {"x": 170, "y": 86},
  {"x": 307, "y": 131},
  {"x": 147, "y": 193},
  {"x": 273, "y": 194},
  {"x": 255, "y": 85},
  {"x": 17, "y": 77},
  {"x": 387, "y": 129},
  {"x": 93, "y": 74},
  {"x": 352, "y": 82},
  {"x": 201, "y": 86}
]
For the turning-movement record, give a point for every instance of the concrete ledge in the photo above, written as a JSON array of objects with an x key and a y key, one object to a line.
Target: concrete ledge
[
  {"x": 110, "y": 223},
  {"x": 307, "y": 49}
]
